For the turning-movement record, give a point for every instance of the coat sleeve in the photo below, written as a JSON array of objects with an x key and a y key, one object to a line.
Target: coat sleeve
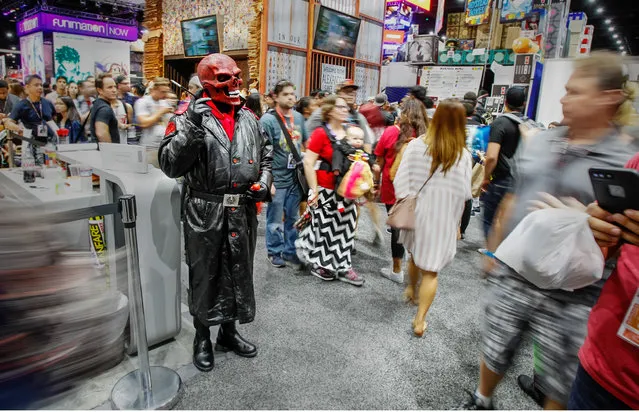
[
  {"x": 401, "y": 183},
  {"x": 180, "y": 147},
  {"x": 266, "y": 162}
]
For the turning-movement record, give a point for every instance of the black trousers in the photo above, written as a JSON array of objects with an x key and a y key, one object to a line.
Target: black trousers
[
  {"x": 465, "y": 220},
  {"x": 397, "y": 250}
]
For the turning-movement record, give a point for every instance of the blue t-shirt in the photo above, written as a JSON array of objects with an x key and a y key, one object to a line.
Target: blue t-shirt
[
  {"x": 33, "y": 114},
  {"x": 283, "y": 163}
]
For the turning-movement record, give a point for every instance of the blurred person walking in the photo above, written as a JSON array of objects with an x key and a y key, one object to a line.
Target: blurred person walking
[
  {"x": 7, "y": 101},
  {"x": 556, "y": 164},
  {"x": 608, "y": 373},
  {"x": 284, "y": 126},
  {"x": 306, "y": 106},
  {"x": 436, "y": 168},
  {"x": 254, "y": 104},
  {"x": 413, "y": 122},
  {"x": 326, "y": 243},
  {"x": 500, "y": 156}
]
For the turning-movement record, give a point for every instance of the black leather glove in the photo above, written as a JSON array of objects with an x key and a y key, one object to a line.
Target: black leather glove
[
  {"x": 259, "y": 195},
  {"x": 194, "y": 113}
]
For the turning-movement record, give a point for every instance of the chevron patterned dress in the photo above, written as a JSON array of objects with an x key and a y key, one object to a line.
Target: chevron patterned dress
[{"x": 328, "y": 241}]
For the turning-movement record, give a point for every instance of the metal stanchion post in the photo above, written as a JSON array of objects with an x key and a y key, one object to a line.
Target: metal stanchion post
[{"x": 149, "y": 387}]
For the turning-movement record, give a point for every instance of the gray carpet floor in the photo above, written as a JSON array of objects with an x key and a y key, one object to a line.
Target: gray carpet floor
[{"x": 331, "y": 345}]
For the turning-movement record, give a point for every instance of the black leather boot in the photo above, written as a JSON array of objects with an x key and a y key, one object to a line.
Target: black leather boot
[
  {"x": 202, "y": 347},
  {"x": 228, "y": 339}
]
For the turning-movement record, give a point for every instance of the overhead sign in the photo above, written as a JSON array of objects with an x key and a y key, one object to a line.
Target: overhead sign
[
  {"x": 446, "y": 82},
  {"x": 65, "y": 24},
  {"x": 477, "y": 12}
]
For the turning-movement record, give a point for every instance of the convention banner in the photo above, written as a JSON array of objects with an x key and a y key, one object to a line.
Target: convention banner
[
  {"x": 422, "y": 4},
  {"x": 514, "y": 10},
  {"x": 67, "y": 24},
  {"x": 477, "y": 12},
  {"x": 439, "y": 19},
  {"x": 32, "y": 55},
  {"x": 3, "y": 67}
]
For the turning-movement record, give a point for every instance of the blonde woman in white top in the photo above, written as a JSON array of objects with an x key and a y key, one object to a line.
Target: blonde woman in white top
[{"x": 442, "y": 154}]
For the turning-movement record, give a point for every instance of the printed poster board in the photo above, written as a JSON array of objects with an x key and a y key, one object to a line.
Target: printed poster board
[
  {"x": 32, "y": 55},
  {"x": 449, "y": 81},
  {"x": 332, "y": 75},
  {"x": 78, "y": 57},
  {"x": 477, "y": 12}
]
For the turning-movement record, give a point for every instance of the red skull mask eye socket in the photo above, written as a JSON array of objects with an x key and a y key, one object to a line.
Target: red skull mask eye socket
[{"x": 220, "y": 76}]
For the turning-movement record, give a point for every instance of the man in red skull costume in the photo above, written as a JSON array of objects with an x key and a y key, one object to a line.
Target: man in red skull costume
[{"x": 221, "y": 150}]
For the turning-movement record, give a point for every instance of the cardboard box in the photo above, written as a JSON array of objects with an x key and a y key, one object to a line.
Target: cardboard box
[
  {"x": 511, "y": 35},
  {"x": 483, "y": 32}
]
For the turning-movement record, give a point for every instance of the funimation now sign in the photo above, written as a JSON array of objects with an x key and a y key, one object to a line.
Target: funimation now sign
[{"x": 66, "y": 24}]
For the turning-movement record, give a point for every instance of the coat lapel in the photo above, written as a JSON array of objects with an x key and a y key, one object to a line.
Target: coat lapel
[{"x": 213, "y": 125}]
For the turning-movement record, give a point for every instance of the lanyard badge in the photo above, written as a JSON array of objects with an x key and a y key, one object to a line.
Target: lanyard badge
[{"x": 629, "y": 329}]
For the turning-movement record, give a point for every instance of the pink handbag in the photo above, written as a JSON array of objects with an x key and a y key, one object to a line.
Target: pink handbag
[{"x": 402, "y": 214}]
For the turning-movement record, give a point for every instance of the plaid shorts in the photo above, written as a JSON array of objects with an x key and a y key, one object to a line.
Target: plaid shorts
[{"x": 558, "y": 328}]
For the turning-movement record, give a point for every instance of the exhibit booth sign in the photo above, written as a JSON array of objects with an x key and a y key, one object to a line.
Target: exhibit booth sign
[{"x": 49, "y": 22}]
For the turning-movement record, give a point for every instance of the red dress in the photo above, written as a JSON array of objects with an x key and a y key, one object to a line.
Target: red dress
[{"x": 386, "y": 149}]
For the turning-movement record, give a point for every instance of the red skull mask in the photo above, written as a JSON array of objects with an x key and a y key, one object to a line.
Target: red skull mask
[{"x": 220, "y": 76}]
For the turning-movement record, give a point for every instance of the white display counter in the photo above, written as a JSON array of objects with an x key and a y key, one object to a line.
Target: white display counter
[
  {"x": 158, "y": 233},
  {"x": 43, "y": 194}
]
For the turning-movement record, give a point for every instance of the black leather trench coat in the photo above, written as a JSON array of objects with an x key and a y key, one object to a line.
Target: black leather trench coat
[{"x": 220, "y": 241}]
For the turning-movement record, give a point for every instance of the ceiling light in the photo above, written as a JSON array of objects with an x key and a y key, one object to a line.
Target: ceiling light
[
  {"x": 611, "y": 28},
  {"x": 599, "y": 10},
  {"x": 13, "y": 47},
  {"x": 431, "y": 32},
  {"x": 608, "y": 21},
  {"x": 614, "y": 36},
  {"x": 619, "y": 41},
  {"x": 443, "y": 37},
  {"x": 9, "y": 34}
]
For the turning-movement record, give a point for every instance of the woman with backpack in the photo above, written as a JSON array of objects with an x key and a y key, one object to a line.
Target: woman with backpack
[
  {"x": 435, "y": 169},
  {"x": 327, "y": 242},
  {"x": 413, "y": 122}
]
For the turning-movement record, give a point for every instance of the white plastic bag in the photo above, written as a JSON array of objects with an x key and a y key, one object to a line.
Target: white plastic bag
[{"x": 554, "y": 249}]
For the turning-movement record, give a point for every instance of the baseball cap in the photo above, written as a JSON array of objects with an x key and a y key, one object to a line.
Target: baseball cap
[
  {"x": 381, "y": 99},
  {"x": 347, "y": 84},
  {"x": 515, "y": 97}
]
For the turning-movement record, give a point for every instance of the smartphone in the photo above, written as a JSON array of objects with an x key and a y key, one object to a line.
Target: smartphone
[{"x": 616, "y": 189}]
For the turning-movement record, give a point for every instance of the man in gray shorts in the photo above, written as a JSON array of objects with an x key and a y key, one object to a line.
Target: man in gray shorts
[{"x": 554, "y": 162}]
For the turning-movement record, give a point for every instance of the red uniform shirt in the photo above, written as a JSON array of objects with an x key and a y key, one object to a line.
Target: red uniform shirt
[
  {"x": 319, "y": 143},
  {"x": 611, "y": 361}
]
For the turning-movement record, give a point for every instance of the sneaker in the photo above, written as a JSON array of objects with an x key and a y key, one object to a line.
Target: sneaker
[
  {"x": 527, "y": 384},
  {"x": 395, "y": 277},
  {"x": 471, "y": 404},
  {"x": 322, "y": 273},
  {"x": 293, "y": 262},
  {"x": 276, "y": 261},
  {"x": 352, "y": 278}
]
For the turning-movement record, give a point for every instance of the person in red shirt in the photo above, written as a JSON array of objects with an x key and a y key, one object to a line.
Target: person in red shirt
[
  {"x": 327, "y": 242},
  {"x": 412, "y": 122},
  {"x": 608, "y": 374}
]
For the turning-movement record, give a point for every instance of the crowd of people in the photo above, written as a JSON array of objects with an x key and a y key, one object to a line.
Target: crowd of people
[
  {"x": 332, "y": 157},
  {"x": 427, "y": 153},
  {"x": 102, "y": 109}
]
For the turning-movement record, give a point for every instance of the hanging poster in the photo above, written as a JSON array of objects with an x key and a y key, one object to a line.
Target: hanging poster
[
  {"x": 368, "y": 80},
  {"x": 114, "y": 57},
  {"x": 514, "y": 10},
  {"x": 439, "y": 20},
  {"x": 367, "y": 47},
  {"x": 76, "y": 57},
  {"x": 287, "y": 22},
  {"x": 32, "y": 54},
  {"x": 73, "y": 56},
  {"x": 332, "y": 74},
  {"x": 285, "y": 64},
  {"x": 397, "y": 22},
  {"x": 477, "y": 12},
  {"x": 3, "y": 67}
]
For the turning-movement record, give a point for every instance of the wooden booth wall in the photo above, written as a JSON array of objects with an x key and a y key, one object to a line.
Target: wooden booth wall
[
  {"x": 290, "y": 26},
  {"x": 237, "y": 15}
]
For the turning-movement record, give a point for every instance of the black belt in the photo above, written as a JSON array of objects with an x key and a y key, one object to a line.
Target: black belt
[{"x": 213, "y": 197}]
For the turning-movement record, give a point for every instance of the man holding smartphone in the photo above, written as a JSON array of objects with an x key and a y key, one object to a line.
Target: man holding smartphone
[
  {"x": 608, "y": 374},
  {"x": 557, "y": 164}
]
